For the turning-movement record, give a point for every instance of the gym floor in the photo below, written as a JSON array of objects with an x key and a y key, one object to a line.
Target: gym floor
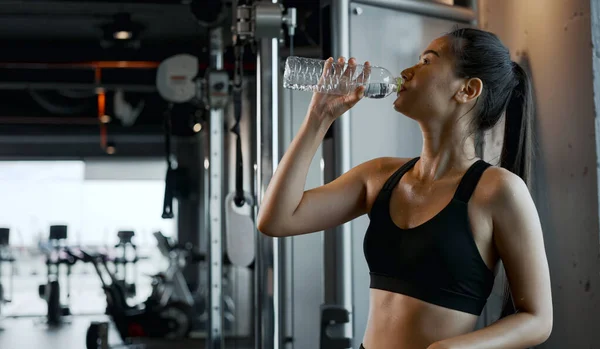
[
  {"x": 25, "y": 333},
  {"x": 31, "y": 333},
  {"x": 24, "y": 325}
]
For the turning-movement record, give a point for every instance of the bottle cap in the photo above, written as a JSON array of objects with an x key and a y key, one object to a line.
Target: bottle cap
[{"x": 399, "y": 81}]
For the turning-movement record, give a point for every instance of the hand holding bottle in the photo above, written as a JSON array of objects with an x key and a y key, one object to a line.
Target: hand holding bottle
[
  {"x": 286, "y": 209},
  {"x": 331, "y": 106}
]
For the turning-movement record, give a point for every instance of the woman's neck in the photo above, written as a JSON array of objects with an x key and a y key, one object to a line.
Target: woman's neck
[{"x": 447, "y": 150}]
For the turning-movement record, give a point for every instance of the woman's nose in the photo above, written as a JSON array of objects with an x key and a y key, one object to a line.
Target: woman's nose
[{"x": 407, "y": 74}]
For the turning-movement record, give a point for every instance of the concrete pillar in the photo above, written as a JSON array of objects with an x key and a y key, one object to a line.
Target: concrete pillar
[{"x": 553, "y": 38}]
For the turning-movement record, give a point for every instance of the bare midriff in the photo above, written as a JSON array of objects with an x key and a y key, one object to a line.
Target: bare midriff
[{"x": 397, "y": 321}]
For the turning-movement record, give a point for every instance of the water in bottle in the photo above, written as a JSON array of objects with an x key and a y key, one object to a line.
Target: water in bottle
[{"x": 307, "y": 74}]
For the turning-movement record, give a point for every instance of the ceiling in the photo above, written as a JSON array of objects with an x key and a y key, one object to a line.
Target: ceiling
[{"x": 51, "y": 51}]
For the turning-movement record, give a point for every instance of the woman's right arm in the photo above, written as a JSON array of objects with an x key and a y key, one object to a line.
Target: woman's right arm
[{"x": 287, "y": 209}]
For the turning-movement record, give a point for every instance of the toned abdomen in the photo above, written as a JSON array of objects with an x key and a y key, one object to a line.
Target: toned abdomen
[{"x": 401, "y": 322}]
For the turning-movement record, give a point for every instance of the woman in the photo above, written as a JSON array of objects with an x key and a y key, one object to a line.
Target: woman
[{"x": 441, "y": 222}]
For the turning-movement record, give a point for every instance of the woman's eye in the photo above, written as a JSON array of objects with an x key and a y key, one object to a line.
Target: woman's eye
[{"x": 425, "y": 61}]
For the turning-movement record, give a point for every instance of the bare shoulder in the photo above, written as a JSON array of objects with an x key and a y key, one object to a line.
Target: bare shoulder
[
  {"x": 498, "y": 187},
  {"x": 381, "y": 168},
  {"x": 376, "y": 172}
]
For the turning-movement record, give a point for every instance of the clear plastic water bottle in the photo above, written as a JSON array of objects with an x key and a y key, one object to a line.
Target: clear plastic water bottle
[{"x": 307, "y": 74}]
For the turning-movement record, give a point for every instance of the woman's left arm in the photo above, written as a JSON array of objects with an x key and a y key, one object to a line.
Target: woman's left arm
[{"x": 520, "y": 244}]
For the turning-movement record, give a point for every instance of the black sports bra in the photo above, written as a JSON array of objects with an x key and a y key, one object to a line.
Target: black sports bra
[{"x": 438, "y": 261}]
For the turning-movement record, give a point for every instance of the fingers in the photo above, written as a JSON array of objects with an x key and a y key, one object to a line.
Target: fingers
[
  {"x": 349, "y": 72},
  {"x": 353, "y": 98},
  {"x": 366, "y": 73},
  {"x": 326, "y": 70},
  {"x": 338, "y": 68},
  {"x": 360, "y": 92},
  {"x": 334, "y": 72}
]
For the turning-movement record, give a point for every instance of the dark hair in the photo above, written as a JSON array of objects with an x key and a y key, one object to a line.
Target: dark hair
[{"x": 506, "y": 91}]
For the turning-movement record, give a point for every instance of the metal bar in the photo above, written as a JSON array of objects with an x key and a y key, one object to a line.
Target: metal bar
[
  {"x": 106, "y": 65},
  {"x": 268, "y": 283},
  {"x": 47, "y": 120},
  {"x": 75, "y": 138},
  {"x": 82, "y": 65},
  {"x": 340, "y": 22},
  {"x": 92, "y": 8},
  {"x": 278, "y": 244},
  {"x": 265, "y": 316},
  {"x": 215, "y": 275},
  {"x": 474, "y": 6},
  {"x": 204, "y": 197},
  {"x": 72, "y": 86},
  {"x": 433, "y": 9}
]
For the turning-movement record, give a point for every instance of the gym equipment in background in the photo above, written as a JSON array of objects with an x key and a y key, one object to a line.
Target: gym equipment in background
[
  {"x": 126, "y": 256},
  {"x": 5, "y": 257},
  {"x": 332, "y": 317},
  {"x": 148, "y": 320},
  {"x": 170, "y": 286},
  {"x": 51, "y": 291}
]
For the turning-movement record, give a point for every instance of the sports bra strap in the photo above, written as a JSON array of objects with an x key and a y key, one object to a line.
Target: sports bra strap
[
  {"x": 465, "y": 188},
  {"x": 391, "y": 183},
  {"x": 469, "y": 181}
]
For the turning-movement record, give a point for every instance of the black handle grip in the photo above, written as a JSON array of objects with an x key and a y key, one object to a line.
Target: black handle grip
[
  {"x": 170, "y": 177},
  {"x": 239, "y": 198}
]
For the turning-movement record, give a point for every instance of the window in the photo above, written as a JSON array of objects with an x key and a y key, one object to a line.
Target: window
[{"x": 95, "y": 200}]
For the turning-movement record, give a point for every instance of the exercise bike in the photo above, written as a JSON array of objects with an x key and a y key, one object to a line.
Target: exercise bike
[
  {"x": 149, "y": 320},
  {"x": 170, "y": 285}
]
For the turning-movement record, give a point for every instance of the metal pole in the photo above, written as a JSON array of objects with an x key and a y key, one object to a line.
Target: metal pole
[
  {"x": 75, "y": 86},
  {"x": 443, "y": 11},
  {"x": 268, "y": 283},
  {"x": 474, "y": 6},
  {"x": 215, "y": 274},
  {"x": 340, "y": 23}
]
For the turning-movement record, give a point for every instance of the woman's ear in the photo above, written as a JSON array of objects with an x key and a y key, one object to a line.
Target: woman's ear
[{"x": 469, "y": 91}]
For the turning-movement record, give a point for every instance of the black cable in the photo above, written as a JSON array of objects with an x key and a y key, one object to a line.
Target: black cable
[
  {"x": 239, "y": 198},
  {"x": 168, "y": 129},
  {"x": 170, "y": 177}
]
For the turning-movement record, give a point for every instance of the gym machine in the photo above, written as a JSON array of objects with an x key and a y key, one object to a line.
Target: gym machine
[
  {"x": 168, "y": 312},
  {"x": 127, "y": 255},
  {"x": 51, "y": 291},
  {"x": 257, "y": 25},
  {"x": 5, "y": 257},
  {"x": 172, "y": 320},
  {"x": 171, "y": 285}
]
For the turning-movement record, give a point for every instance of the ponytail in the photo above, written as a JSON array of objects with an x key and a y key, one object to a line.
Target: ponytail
[
  {"x": 517, "y": 151},
  {"x": 518, "y": 123}
]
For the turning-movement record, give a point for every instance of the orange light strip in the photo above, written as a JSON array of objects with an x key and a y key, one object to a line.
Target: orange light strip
[
  {"x": 101, "y": 108},
  {"x": 91, "y": 65},
  {"x": 106, "y": 65}
]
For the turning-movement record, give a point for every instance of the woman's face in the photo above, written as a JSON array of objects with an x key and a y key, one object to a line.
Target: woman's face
[{"x": 430, "y": 87}]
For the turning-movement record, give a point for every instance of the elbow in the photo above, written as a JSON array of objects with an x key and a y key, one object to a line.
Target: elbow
[
  {"x": 266, "y": 230},
  {"x": 265, "y": 226},
  {"x": 546, "y": 328}
]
